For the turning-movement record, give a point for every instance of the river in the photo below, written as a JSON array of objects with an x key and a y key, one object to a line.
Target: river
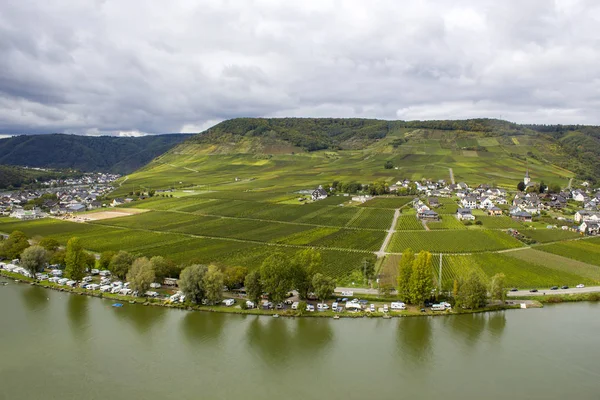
[{"x": 59, "y": 346}]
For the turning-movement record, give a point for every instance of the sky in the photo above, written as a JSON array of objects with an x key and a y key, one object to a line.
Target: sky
[{"x": 133, "y": 67}]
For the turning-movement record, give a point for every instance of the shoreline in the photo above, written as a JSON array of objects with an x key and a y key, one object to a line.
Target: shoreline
[{"x": 17, "y": 278}]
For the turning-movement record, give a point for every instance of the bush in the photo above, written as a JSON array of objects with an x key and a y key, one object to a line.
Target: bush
[
  {"x": 301, "y": 308},
  {"x": 469, "y": 223},
  {"x": 478, "y": 223},
  {"x": 243, "y": 305}
]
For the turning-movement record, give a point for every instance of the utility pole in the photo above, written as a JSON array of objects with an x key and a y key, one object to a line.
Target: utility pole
[{"x": 440, "y": 274}]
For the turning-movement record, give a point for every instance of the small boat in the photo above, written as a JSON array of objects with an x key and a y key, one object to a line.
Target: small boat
[
  {"x": 336, "y": 317},
  {"x": 275, "y": 315},
  {"x": 386, "y": 316},
  {"x": 131, "y": 301},
  {"x": 3, "y": 283},
  {"x": 117, "y": 305}
]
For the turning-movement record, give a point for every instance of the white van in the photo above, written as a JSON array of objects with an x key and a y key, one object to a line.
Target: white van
[
  {"x": 438, "y": 307},
  {"x": 334, "y": 306},
  {"x": 228, "y": 302},
  {"x": 397, "y": 306}
]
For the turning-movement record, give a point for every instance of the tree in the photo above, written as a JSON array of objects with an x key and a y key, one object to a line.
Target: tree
[
  {"x": 543, "y": 187},
  {"x": 554, "y": 188},
  {"x": 162, "y": 267},
  {"x": 213, "y": 284},
  {"x": 233, "y": 277},
  {"x": 421, "y": 282},
  {"x": 498, "y": 287},
  {"x": 253, "y": 286},
  {"x": 58, "y": 258},
  {"x": 120, "y": 263},
  {"x": 140, "y": 275},
  {"x": 305, "y": 264},
  {"x": 105, "y": 257},
  {"x": 455, "y": 289},
  {"x": 405, "y": 268},
  {"x": 367, "y": 268},
  {"x": 33, "y": 259},
  {"x": 521, "y": 186},
  {"x": 276, "y": 276},
  {"x": 323, "y": 286},
  {"x": 389, "y": 165},
  {"x": 14, "y": 245},
  {"x": 75, "y": 260},
  {"x": 49, "y": 244},
  {"x": 472, "y": 293},
  {"x": 191, "y": 282}
]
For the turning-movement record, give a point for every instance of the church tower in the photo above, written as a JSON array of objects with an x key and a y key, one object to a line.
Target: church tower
[{"x": 526, "y": 180}]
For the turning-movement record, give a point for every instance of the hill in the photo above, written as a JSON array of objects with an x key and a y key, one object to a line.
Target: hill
[
  {"x": 85, "y": 153},
  {"x": 12, "y": 176}
]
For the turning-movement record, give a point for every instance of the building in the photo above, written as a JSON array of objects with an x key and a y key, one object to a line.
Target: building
[
  {"x": 590, "y": 228},
  {"x": 526, "y": 179},
  {"x": 522, "y": 216},
  {"x": 23, "y": 214},
  {"x": 428, "y": 215},
  {"x": 465, "y": 214},
  {"x": 494, "y": 211},
  {"x": 319, "y": 194},
  {"x": 469, "y": 202}
]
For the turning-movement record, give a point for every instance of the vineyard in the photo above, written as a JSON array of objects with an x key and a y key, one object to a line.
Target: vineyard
[
  {"x": 446, "y": 222},
  {"x": 587, "y": 251},
  {"x": 388, "y": 202},
  {"x": 459, "y": 241},
  {"x": 549, "y": 235}
]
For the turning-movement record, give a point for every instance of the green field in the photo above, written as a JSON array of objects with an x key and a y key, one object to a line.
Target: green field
[{"x": 239, "y": 198}]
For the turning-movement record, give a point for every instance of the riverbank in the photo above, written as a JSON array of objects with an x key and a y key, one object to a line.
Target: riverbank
[{"x": 257, "y": 311}]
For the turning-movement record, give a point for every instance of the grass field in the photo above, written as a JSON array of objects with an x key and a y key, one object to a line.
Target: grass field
[
  {"x": 587, "y": 251},
  {"x": 549, "y": 235}
]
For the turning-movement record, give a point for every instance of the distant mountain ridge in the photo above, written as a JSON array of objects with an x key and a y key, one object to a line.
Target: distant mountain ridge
[{"x": 113, "y": 154}]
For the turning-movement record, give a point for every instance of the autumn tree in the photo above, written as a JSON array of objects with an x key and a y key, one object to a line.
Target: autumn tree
[
  {"x": 140, "y": 275},
  {"x": 213, "y": 284},
  {"x": 421, "y": 282},
  {"x": 405, "y": 268},
  {"x": 33, "y": 259},
  {"x": 191, "y": 282},
  {"x": 75, "y": 260}
]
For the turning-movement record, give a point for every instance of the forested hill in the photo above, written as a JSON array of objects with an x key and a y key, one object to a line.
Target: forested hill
[
  {"x": 15, "y": 177},
  {"x": 574, "y": 147},
  {"x": 120, "y": 155}
]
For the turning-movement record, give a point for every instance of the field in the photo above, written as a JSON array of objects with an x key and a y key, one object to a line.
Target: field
[{"x": 236, "y": 203}]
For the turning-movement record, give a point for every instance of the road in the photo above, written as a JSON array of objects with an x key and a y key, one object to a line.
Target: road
[
  {"x": 548, "y": 292},
  {"x": 451, "y": 176},
  {"x": 357, "y": 290},
  {"x": 381, "y": 252}
]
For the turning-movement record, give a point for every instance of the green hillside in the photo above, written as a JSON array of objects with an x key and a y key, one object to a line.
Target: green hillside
[
  {"x": 231, "y": 196},
  {"x": 16, "y": 177},
  {"x": 120, "y": 155}
]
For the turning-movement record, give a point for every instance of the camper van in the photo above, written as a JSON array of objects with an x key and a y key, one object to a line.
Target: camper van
[
  {"x": 229, "y": 302},
  {"x": 398, "y": 306},
  {"x": 438, "y": 307}
]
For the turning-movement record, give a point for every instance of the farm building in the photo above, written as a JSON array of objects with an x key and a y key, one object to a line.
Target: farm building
[
  {"x": 522, "y": 216},
  {"x": 433, "y": 202},
  {"x": 319, "y": 194}
]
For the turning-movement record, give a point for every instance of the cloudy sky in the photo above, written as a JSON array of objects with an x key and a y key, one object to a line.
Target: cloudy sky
[{"x": 152, "y": 66}]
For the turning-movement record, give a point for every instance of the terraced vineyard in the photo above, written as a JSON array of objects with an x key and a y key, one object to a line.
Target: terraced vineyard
[{"x": 549, "y": 235}]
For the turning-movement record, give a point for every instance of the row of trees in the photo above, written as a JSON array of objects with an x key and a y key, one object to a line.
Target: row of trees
[{"x": 277, "y": 276}]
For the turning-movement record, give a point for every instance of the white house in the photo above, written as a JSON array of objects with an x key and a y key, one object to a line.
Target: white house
[
  {"x": 319, "y": 194},
  {"x": 590, "y": 228},
  {"x": 486, "y": 203},
  {"x": 586, "y": 215},
  {"x": 469, "y": 202}
]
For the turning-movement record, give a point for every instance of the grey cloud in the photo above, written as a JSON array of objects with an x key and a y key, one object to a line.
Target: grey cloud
[{"x": 149, "y": 66}]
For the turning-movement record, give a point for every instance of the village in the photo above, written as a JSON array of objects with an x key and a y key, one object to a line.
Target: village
[{"x": 58, "y": 197}]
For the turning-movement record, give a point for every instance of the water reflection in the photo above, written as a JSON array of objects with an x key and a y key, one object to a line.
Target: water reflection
[
  {"x": 77, "y": 315},
  {"x": 414, "y": 339},
  {"x": 35, "y": 298},
  {"x": 497, "y": 323},
  {"x": 142, "y": 318},
  {"x": 469, "y": 328},
  {"x": 202, "y": 327},
  {"x": 276, "y": 340}
]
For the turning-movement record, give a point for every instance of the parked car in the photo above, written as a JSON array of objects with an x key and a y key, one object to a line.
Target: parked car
[
  {"x": 564, "y": 287},
  {"x": 71, "y": 283},
  {"x": 94, "y": 271},
  {"x": 288, "y": 302},
  {"x": 580, "y": 286},
  {"x": 554, "y": 288},
  {"x": 151, "y": 294},
  {"x": 279, "y": 306},
  {"x": 533, "y": 290},
  {"x": 87, "y": 279},
  {"x": 310, "y": 308},
  {"x": 385, "y": 308},
  {"x": 447, "y": 305},
  {"x": 322, "y": 307},
  {"x": 105, "y": 281},
  {"x": 249, "y": 304},
  {"x": 334, "y": 305},
  {"x": 372, "y": 307},
  {"x": 295, "y": 305},
  {"x": 155, "y": 285},
  {"x": 514, "y": 289}
]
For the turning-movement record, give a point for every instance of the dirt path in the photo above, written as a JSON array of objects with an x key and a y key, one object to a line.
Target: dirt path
[
  {"x": 381, "y": 253},
  {"x": 124, "y": 180},
  {"x": 451, "y": 175},
  {"x": 424, "y": 223},
  {"x": 570, "y": 183}
]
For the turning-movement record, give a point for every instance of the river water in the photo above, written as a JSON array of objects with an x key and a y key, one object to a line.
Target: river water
[{"x": 59, "y": 346}]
